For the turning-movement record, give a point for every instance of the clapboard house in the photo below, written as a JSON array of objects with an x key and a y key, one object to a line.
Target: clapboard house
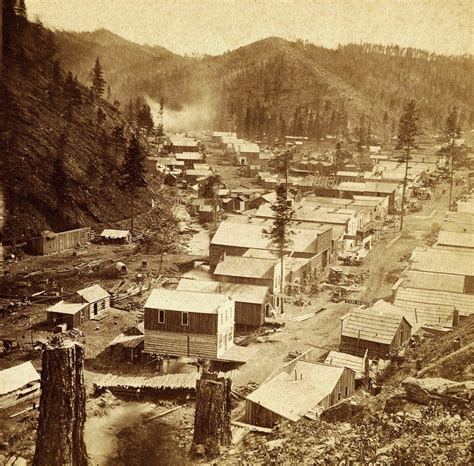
[
  {"x": 88, "y": 303},
  {"x": 188, "y": 324},
  {"x": 251, "y": 302},
  {"x": 51, "y": 243},
  {"x": 303, "y": 387},
  {"x": 375, "y": 330}
]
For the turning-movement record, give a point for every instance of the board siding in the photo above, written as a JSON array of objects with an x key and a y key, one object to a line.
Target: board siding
[
  {"x": 176, "y": 344},
  {"x": 205, "y": 324}
]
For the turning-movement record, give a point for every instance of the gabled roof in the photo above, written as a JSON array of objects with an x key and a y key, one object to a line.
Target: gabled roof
[
  {"x": 292, "y": 397},
  {"x": 242, "y": 293},
  {"x": 115, "y": 234},
  {"x": 356, "y": 363},
  {"x": 16, "y": 377},
  {"x": 368, "y": 186},
  {"x": 186, "y": 301},
  {"x": 248, "y": 267},
  {"x": 433, "y": 281},
  {"x": 372, "y": 325},
  {"x": 93, "y": 293}
]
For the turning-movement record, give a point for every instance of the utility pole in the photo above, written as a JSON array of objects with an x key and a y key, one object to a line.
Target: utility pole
[
  {"x": 405, "y": 178},
  {"x": 451, "y": 177}
]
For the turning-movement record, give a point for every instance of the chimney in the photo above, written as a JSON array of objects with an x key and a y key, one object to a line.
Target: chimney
[{"x": 455, "y": 318}]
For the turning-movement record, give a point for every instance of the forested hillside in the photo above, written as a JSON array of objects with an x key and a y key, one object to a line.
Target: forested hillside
[
  {"x": 275, "y": 86},
  {"x": 63, "y": 145}
]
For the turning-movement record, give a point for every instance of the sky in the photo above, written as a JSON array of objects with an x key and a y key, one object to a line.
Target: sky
[{"x": 214, "y": 26}]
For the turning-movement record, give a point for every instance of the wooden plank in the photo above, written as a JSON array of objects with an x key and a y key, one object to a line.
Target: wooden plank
[{"x": 251, "y": 427}]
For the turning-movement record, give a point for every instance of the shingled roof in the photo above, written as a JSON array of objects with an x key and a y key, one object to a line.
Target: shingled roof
[{"x": 372, "y": 325}]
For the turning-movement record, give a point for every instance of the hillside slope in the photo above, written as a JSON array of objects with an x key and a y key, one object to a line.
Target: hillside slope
[
  {"x": 275, "y": 83},
  {"x": 60, "y": 166}
]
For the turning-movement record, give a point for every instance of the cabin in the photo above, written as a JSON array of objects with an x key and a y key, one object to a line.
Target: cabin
[
  {"x": 51, "y": 243},
  {"x": 189, "y": 158},
  {"x": 110, "y": 236},
  {"x": 207, "y": 214},
  {"x": 375, "y": 330},
  {"x": 86, "y": 304},
  {"x": 188, "y": 324},
  {"x": 128, "y": 346},
  {"x": 248, "y": 154},
  {"x": 252, "y": 303},
  {"x": 348, "y": 190},
  {"x": 182, "y": 144},
  {"x": 18, "y": 383},
  {"x": 302, "y": 388}
]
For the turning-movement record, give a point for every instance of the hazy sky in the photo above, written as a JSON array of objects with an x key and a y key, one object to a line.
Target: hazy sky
[{"x": 206, "y": 26}]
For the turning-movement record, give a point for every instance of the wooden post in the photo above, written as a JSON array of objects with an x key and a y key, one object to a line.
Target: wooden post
[
  {"x": 212, "y": 419},
  {"x": 62, "y": 411}
]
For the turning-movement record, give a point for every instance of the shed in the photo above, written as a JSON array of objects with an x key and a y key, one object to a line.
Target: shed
[
  {"x": 360, "y": 365},
  {"x": 50, "y": 242},
  {"x": 299, "y": 388},
  {"x": 116, "y": 236},
  {"x": 18, "y": 383}
]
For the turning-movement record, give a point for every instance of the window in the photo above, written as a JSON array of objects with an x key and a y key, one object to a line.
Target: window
[
  {"x": 161, "y": 317},
  {"x": 184, "y": 318}
]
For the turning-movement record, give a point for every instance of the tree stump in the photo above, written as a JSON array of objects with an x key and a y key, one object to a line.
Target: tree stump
[
  {"x": 62, "y": 413},
  {"x": 212, "y": 418}
]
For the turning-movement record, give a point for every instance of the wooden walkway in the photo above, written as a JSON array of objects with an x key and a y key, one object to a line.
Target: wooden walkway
[{"x": 182, "y": 381}]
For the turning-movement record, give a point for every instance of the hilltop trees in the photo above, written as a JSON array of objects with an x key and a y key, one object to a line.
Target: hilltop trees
[
  {"x": 280, "y": 232},
  {"x": 452, "y": 131},
  {"x": 97, "y": 80},
  {"x": 407, "y": 131},
  {"x": 133, "y": 173}
]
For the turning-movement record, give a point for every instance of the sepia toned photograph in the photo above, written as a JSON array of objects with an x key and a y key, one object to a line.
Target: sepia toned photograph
[{"x": 236, "y": 232}]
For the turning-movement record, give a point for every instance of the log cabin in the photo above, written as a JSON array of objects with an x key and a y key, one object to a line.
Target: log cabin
[{"x": 188, "y": 324}]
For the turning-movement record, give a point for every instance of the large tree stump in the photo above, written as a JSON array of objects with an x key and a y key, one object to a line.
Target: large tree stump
[
  {"x": 212, "y": 418},
  {"x": 60, "y": 437}
]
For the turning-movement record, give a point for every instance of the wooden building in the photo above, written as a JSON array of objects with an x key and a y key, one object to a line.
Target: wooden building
[
  {"x": 188, "y": 324},
  {"x": 82, "y": 306},
  {"x": 18, "y": 384},
  {"x": 50, "y": 242},
  {"x": 251, "y": 302},
  {"x": 235, "y": 239},
  {"x": 111, "y": 236},
  {"x": 303, "y": 387},
  {"x": 377, "y": 331}
]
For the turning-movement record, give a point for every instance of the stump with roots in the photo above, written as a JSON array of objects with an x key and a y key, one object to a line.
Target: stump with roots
[
  {"x": 212, "y": 419},
  {"x": 60, "y": 436}
]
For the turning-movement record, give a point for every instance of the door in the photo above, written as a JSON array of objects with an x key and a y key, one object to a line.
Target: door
[{"x": 96, "y": 308}]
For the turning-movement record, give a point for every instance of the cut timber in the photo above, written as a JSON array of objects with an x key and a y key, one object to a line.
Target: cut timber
[
  {"x": 212, "y": 419},
  {"x": 252, "y": 428},
  {"x": 164, "y": 413},
  {"x": 60, "y": 437}
]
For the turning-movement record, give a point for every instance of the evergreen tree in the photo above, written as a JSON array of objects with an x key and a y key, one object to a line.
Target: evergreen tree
[
  {"x": 452, "y": 131},
  {"x": 160, "y": 127},
  {"x": 118, "y": 139},
  {"x": 280, "y": 232},
  {"x": 407, "y": 131},
  {"x": 133, "y": 173},
  {"x": 97, "y": 79}
]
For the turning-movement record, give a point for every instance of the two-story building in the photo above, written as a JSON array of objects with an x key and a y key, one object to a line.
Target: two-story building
[{"x": 188, "y": 324}]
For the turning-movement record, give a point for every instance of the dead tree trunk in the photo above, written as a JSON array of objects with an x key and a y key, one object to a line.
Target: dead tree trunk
[
  {"x": 212, "y": 418},
  {"x": 60, "y": 437}
]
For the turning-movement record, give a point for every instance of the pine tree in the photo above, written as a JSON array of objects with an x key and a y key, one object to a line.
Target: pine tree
[
  {"x": 407, "y": 131},
  {"x": 160, "y": 128},
  {"x": 118, "y": 139},
  {"x": 133, "y": 173},
  {"x": 280, "y": 232},
  {"x": 97, "y": 79},
  {"x": 452, "y": 131}
]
